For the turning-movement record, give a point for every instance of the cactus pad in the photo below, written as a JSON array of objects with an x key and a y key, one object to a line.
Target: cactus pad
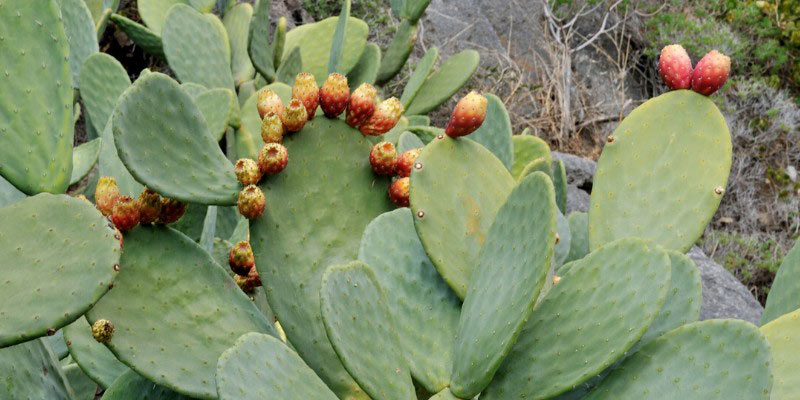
[
  {"x": 398, "y": 51},
  {"x": 8, "y": 193},
  {"x": 495, "y": 132},
  {"x": 783, "y": 297},
  {"x": 31, "y": 371},
  {"x": 154, "y": 12},
  {"x": 781, "y": 333},
  {"x": 366, "y": 70},
  {"x": 663, "y": 176},
  {"x": 262, "y": 367},
  {"x": 237, "y": 24},
  {"x": 81, "y": 35},
  {"x": 216, "y": 105},
  {"x": 408, "y": 141},
  {"x": 110, "y": 164},
  {"x": 83, "y": 159},
  {"x": 315, "y": 41},
  {"x": 586, "y": 322},
  {"x": 103, "y": 81},
  {"x": 352, "y": 303},
  {"x": 579, "y": 236},
  {"x": 560, "y": 183},
  {"x": 682, "y": 305},
  {"x": 132, "y": 386},
  {"x": 528, "y": 148},
  {"x": 453, "y": 232},
  {"x": 190, "y": 165},
  {"x": 564, "y": 240},
  {"x": 505, "y": 283},
  {"x": 167, "y": 273},
  {"x": 141, "y": 35},
  {"x": 94, "y": 359},
  {"x": 539, "y": 164},
  {"x": 446, "y": 81},
  {"x": 421, "y": 73},
  {"x": 259, "y": 47},
  {"x": 84, "y": 388}
]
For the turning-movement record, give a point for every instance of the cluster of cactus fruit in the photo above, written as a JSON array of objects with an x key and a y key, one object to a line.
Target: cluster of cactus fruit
[{"x": 342, "y": 296}]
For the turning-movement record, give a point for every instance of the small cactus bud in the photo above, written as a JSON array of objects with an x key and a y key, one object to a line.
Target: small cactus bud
[
  {"x": 361, "y": 105},
  {"x": 247, "y": 171},
  {"x": 272, "y": 128},
  {"x": 251, "y": 202},
  {"x": 272, "y": 158},
  {"x": 126, "y": 213},
  {"x": 241, "y": 258},
  {"x": 468, "y": 115},
  {"x": 171, "y": 210},
  {"x": 711, "y": 73},
  {"x": 398, "y": 192},
  {"x": 404, "y": 163},
  {"x": 149, "y": 206},
  {"x": 675, "y": 67},
  {"x": 556, "y": 279},
  {"x": 244, "y": 283},
  {"x": 385, "y": 117},
  {"x": 334, "y": 95},
  {"x": 106, "y": 194},
  {"x": 269, "y": 101},
  {"x": 382, "y": 158},
  {"x": 295, "y": 116},
  {"x": 102, "y": 330},
  {"x": 253, "y": 277},
  {"x": 306, "y": 90}
]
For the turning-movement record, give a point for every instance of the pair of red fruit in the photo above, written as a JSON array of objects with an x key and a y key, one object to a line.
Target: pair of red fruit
[{"x": 675, "y": 68}]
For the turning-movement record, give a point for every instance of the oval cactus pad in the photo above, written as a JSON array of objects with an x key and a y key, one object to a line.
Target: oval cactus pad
[
  {"x": 662, "y": 174},
  {"x": 784, "y": 344},
  {"x": 30, "y": 371},
  {"x": 94, "y": 359},
  {"x": 59, "y": 258},
  {"x": 130, "y": 386},
  {"x": 454, "y": 203}
]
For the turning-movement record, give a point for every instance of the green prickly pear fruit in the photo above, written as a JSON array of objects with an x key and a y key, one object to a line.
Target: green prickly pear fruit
[
  {"x": 272, "y": 158},
  {"x": 334, "y": 94},
  {"x": 149, "y": 206},
  {"x": 675, "y": 67},
  {"x": 272, "y": 128},
  {"x": 106, "y": 194},
  {"x": 361, "y": 105},
  {"x": 241, "y": 258},
  {"x": 251, "y": 202},
  {"x": 382, "y": 158},
  {"x": 102, "y": 330},
  {"x": 306, "y": 90},
  {"x": 385, "y": 117},
  {"x": 125, "y": 215},
  {"x": 269, "y": 101},
  {"x": 398, "y": 192},
  {"x": 171, "y": 210},
  {"x": 404, "y": 163},
  {"x": 468, "y": 115},
  {"x": 295, "y": 116},
  {"x": 711, "y": 73},
  {"x": 247, "y": 171}
]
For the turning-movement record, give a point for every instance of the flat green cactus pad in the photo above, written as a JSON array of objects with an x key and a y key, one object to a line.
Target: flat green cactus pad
[
  {"x": 390, "y": 246},
  {"x": 353, "y": 303},
  {"x": 8, "y": 193},
  {"x": 682, "y": 305},
  {"x": 579, "y": 236},
  {"x": 421, "y": 73},
  {"x": 408, "y": 141},
  {"x": 454, "y": 203},
  {"x": 132, "y": 386},
  {"x": 601, "y": 307},
  {"x": 197, "y": 50},
  {"x": 97, "y": 361},
  {"x": 290, "y": 66},
  {"x": 31, "y": 371},
  {"x": 445, "y": 394},
  {"x": 315, "y": 41},
  {"x": 216, "y": 106},
  {"x": 782, "y": 336},
  {"x": 505, "y": 284},
  {"x": 38, "y": 238},
  {"x": 57, "y": 344},
  {"x": 663, "y": 175},
  {"x": 259, "y": 47},
  {"x": 526, "y": 149},
  {"x": 154, "y": 12},
  {"x": 564, "y": 244},
  {"x": 166, "y": 273},
  {"x": 560, "y": 183},
  {"x": 716, "y": 359},
  {"x": 35, "y": 113},
  {"x": 329, "y": 173},
  {"x": 445, "y": 82},
  {"x": 495, "y": 132},
  {"x": 366, "y": 70},
  {"x": 155, "y": 116},
  {"x": 83, "y": 159},
  {"x": 783, "y": 297},
  {"x": 262, "y": 367},
  {"x": 82, "y": 385},
  {"x": 110, "y": 164},
  {"x": 97, "y": 7},
  {"x": 237, "y": 24},
  {"x": 80, "y": 30},
  {"x": 398, "y": 51},
  {"x": 141, "y": 35},
  {"x": 540, "y": 164},
  {"x": 103, "y": 81}
]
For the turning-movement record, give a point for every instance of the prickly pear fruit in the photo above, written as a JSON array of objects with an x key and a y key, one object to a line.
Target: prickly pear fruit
[
  {"x": 361, "y": 105},
  {"x": 306, "y": 90},
  {"x": 711, "y": 73},
  {"x": 251, "y": 202},
  {"x": 241, "y": 258},
  {"x": 102, "y": 330},
  {"x": 126, "y": 213},
  {"x": 247, "y": 171},
  {"x": 404, "y": 163},
  {"x": 244, "y": 283},
  {"x": 149, "y": 206},
  {"x": 171, "y": 210},
  {"x": 385, "y": 117},
  {"x": 253, "y": 277},
  {"x": 269, "y": 101},
  {"x": 398, "y": 192},
  {"x": 334, "y": 95},
  {"x": 675, "y": 67},
  {"x": 272, "y": 128},
  {"x": 295, "y": 116},
  {"x": 106, "y": 194},
  {"x": 382, "y": 158},
  {"x": 468, "y": 115},
  {"x": 272, "y": 158}
]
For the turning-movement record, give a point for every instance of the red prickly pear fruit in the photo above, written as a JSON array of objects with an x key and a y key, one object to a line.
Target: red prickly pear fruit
[
  {"x": 385, "y": 117},
  {"x": 106, "y": 194},
  {"x": 468, "y": 115},
  {"x": 711, "y": 73},
  {"x": 675, "y": 67},
  {"x": 149, "y": 206},
  {"x": 126, "y": 213},
  {"x": 306, "y": 90},
  {"x": 241, "y": 258},
  {"x": 295, "y": 116},
  {"x": 361, "y": 105},
  {"x": 272, "y": 128},
  {"x": 398, "y": 192},
  {"x": 269, "y": 101},
  {"x": 382, "y": 158},
  {"x": 253, "y": 277},
  {"x": 272, "y": 158},
  {"x": 404, "y": 163},
  {"x": 247, "y": 171},
  {"x": 334, "y": 94},
  {"x": 102, "y": 330},
  {"x": 244, "y": 283},
  {"x": 171, "y": 210},
  {"x": 251, "y": 202}
]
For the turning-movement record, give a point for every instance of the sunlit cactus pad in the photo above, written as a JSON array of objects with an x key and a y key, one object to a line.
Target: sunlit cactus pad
[{"x": 30, "y": 371}]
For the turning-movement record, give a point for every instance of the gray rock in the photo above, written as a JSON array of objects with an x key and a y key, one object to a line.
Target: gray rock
[
  {"x": 455, "y": 25},
  {"x": 577, "y": 199},
  {"x": 580, "y": 171},
  {"x": 723, "y": 295}
]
